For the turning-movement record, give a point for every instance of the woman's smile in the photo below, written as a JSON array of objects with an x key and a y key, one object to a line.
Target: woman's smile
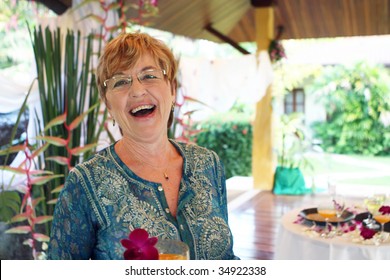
[{"x": 143, "y": 111}]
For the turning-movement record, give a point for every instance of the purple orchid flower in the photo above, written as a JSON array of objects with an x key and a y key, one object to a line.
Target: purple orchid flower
[
  {"x": 139, "y": 246},
  {"x": 384, "y": 209},
  {"x": 299, "y": 220},
  {"x": 367, "y": 233}
]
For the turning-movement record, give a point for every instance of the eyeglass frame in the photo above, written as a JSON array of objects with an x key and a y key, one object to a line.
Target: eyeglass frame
[{"x": 164, "y": 72}]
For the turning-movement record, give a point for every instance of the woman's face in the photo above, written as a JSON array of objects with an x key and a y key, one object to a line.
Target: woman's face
[{"x": 142, "y": 109}]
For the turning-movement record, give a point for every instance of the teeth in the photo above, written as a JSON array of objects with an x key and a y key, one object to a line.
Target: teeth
[{"x": 142, "y": 107}]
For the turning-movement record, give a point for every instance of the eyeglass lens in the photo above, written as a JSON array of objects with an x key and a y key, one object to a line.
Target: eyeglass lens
[{"x": 122, "y": 82}]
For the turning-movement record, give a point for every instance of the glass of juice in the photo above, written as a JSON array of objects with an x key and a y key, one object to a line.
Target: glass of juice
[
  {"x": 372, "y": 204},
  {"x": 171, "y": 249},
  {"x": 382, "y": 219},
  {"x": 327, "y": 211}
]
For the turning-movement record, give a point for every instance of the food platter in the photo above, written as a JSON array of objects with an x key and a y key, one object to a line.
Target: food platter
[{"x": 311, "y": 215}]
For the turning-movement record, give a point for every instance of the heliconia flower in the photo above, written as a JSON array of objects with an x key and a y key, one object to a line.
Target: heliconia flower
[
  {"x": 367, "y": 233},
  {"x": 139, "y": 246},
  {"x": 384, "y": 209}
]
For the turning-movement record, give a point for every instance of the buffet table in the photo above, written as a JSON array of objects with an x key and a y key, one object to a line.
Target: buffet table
[{"x": 296, "y": 242}]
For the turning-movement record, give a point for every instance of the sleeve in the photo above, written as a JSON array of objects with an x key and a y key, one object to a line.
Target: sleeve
[
  {"x": 221, "y": 181},
  {"x": 72, "y": 234},
  {"x": 221, "y": 184}
]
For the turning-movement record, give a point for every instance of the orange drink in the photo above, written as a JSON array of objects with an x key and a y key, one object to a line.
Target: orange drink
[
  {"x": 382, "y": 219},
  {"x": 171, "y": 257},
  {"x": 327, "y": 213},
  {"x": 170, "y": 249}
]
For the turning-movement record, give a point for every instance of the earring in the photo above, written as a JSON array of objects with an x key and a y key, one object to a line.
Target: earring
[
  {"x": 173, "y": 106},
  {"x": 113, "y": 122}
]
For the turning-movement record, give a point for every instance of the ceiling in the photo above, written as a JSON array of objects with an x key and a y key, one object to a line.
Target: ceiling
[{"x": 300, "y": 18}]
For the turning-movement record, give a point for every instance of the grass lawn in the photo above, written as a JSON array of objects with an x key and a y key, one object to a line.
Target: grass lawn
[{"x": 357, "y": 169}]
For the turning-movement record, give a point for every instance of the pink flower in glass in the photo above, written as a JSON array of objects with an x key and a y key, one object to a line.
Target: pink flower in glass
[
  {"x": 139, "y": 246},
  {"x": 384, "y": 209}
]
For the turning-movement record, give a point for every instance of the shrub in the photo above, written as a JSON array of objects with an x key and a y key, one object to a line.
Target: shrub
[
  {"x": 230, "y": 136},
  {"x": 358, "y": 102}
]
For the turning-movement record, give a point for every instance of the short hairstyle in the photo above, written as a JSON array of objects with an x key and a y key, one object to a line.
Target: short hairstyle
[{"x": 123, "y": 52}]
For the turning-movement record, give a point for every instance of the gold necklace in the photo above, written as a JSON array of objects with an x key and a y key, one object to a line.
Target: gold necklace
[{"x": 164, "y": 173}]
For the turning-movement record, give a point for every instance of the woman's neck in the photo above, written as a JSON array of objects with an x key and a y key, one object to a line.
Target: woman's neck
[{"x": 153, "y": 154}]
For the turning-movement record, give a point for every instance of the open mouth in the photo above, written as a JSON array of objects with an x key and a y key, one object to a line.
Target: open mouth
[{"x": 142, "y": 111}]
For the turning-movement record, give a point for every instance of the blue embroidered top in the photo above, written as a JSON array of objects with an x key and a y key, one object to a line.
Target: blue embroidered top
[{"x": 103, "y": 200}]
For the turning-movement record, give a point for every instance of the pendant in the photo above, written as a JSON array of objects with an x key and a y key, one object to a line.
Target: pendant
[{"x": 166, "y": 176}]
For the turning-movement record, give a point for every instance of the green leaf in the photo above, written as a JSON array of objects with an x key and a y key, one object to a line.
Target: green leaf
[
  {"x": 13, "y": 149},
  {"x": 56, "y": 141},
  {"x": 41, "y": 237},
  {"x": 59, "y": 160},
  {"x": 52, "y": 201},
  {"x": 40, "y": 172},
  {"x": 9, "y": 205},
  {"x": 76, "y": 122},
  {"x": 81, "y": 150},
  {"x": 16, "y": 170},
  {"x": 36, "y": 201},
  {"x": 40, "y": 150},
  {"x": 42, "y": 219},
  {"x": 19, "y": 230},
  {"x": 56, "y": 121},
  {"x": 44, "y": 179},
  {"x": 58, "y": 189},
  {"x": 20, "y": 217}
]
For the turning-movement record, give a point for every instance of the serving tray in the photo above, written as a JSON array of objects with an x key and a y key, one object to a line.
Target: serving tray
[{"x": 311, "y": 215}]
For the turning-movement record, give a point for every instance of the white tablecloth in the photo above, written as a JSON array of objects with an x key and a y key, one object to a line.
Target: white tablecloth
[{"x": 293, "y": 243}]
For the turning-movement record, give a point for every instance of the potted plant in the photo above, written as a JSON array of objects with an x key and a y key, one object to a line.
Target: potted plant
[{"x": 292, "y": 144}]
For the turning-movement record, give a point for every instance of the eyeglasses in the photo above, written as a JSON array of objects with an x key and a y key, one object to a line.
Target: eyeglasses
[{"x": 121, "y": 83}]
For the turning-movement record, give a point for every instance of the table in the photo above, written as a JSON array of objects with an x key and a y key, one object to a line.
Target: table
[{"x": 294, "y": 243}]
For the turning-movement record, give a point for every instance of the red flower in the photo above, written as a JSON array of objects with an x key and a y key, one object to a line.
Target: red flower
[
  {"x": 384, "y": 209},
  {"x": 367, "y": 233},
  {"x": 140, "y": 246}
]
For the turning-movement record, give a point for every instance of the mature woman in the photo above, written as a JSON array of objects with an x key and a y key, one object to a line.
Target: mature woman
[{"x": 144, "y": 180}]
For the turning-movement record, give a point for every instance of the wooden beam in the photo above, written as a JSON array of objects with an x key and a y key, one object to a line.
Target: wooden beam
[
  {"x": 226, "y": 39},
  {"x": 262, "y": 155},
  {"x": 262, "y": 3},
  {"x": 265, "y": 26},
  {"x": 57, "y": 6}
]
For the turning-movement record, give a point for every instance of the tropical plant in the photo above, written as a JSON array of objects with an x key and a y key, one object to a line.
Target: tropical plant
[
  {"x": 68, "y": 132},
  {"x": 292, "y": 142},
  {"x": 10, "y": 200},
  {"x": 32, "y": 177},
  {"x": 357, "y": 101},
  {"x": 72, "y": 117},
  {"x": 292, "y": 145},
  {"x": 67, "y": 128}
]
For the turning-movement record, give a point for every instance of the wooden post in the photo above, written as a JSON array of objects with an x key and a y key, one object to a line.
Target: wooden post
[{"x": 262, "y": 157}]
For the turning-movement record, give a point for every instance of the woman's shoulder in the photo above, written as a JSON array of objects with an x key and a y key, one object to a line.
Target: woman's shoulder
[
  {"x": 101, "y": 157},
  {"x": 189, "y": 149}
]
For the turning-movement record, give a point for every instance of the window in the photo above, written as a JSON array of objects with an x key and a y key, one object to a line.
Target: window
[{"x": 294, "y": 101}]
